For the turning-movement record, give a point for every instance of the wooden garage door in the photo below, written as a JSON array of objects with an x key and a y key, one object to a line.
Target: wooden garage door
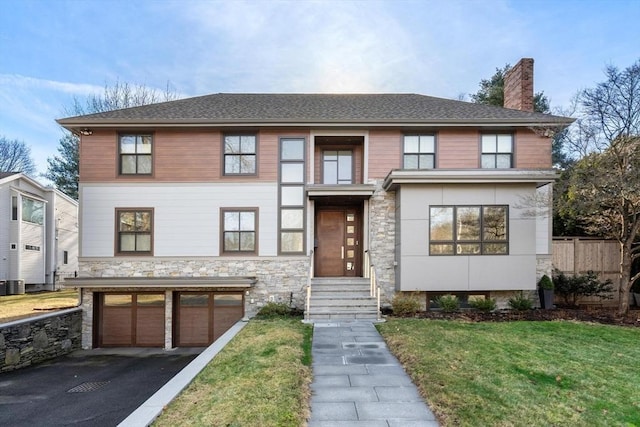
[
  {"x": 131, "y": 320},
  {"x": 202, "y": 317}
]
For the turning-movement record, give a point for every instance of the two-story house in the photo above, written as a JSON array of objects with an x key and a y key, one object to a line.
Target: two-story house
[
  {"x": 196, "y": 212},
  {"x": 38, "y": 235}
]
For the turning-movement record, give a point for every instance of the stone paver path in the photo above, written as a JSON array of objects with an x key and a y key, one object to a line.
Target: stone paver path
[{"x": 358, "y": 382}]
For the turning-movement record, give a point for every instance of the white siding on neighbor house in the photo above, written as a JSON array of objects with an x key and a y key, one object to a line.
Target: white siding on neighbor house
[
  {"x": 420, "y": 271},
  {"x": 186, "y": 217},
  {"x": 5, "y": 224},
  {"x": 64, "y": 228},
  {"x": 32, "y": 261}
]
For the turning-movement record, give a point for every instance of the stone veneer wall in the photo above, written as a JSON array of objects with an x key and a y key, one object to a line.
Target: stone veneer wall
[
  {"x": 279, "y": 279},
  {"x": 29, "y": 341},
  {"x": 382, "y": 226}
]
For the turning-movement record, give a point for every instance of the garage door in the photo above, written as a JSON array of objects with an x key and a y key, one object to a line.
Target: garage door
[
  {"x": 131, "y": 320},
  {"x": 202, "y": 317}
]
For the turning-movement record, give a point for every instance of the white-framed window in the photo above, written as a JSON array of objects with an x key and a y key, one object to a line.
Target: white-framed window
[
  {"x": 32, "y": 211},
  {"x": 497, "y": 151}
]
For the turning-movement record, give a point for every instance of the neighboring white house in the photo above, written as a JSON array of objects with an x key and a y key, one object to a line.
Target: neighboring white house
[{"x": 38, "y": 234}]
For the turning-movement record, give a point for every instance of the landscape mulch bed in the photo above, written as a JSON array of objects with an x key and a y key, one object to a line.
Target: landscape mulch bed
[{"x": 596, "y": 315}]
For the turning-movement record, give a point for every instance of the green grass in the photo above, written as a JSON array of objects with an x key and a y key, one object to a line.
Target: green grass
[
  {"x": 261, "y": 378},
  {"x": 522, "y": 373},
  {"x": 14, "y": 307}
]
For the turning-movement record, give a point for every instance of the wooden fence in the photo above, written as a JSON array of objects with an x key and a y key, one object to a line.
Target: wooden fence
[{"x": 577, "y": 255}]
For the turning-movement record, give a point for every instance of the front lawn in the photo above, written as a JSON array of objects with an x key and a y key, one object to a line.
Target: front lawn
[
  {"x": 14, "y": 307},
  {"x": 522, "y": 373},
  {"x": 261, "y": 378}
]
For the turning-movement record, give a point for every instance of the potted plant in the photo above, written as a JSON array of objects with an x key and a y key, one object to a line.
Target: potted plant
[{"x": 545, "y": 291}]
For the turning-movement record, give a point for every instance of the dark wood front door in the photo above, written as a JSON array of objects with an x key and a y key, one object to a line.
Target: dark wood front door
[{"x": 337, "y": 251}]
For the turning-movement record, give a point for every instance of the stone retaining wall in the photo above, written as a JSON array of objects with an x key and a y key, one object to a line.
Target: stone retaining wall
[{"x": 36, "y": 339}]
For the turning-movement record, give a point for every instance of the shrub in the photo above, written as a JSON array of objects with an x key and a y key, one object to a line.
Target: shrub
[
  {"x": 483, "y": 304},
  {"x": 545, "y": 282},
  {"x": 448, "y": 303},
  {"x": 572, "y": 288},
  {"x": 274, "y": 309},
  {"x": 520, "y": 302},
  {"x": 405, "y": 304}
]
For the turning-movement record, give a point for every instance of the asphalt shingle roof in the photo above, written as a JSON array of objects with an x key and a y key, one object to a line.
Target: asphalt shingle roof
[{"x": 314, "y": 108}]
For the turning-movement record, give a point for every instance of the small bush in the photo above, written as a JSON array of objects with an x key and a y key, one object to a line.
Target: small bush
[
  {"x": 275, "y": 309},
  {"x": 520, "y": 302},
  {"x": 405, "y": 304},
  {"x": 545, "y": 282},
  {"x": 448, "y": 303},
  {"x": 572, "y": 288},
  {"x": 483, "y": 304}
]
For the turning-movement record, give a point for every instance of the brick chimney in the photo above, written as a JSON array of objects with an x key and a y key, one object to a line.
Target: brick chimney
[{"x": 518, "y": 86}]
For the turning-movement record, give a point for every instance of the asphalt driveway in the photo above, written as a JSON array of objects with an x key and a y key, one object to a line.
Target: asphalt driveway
[{"x": 87, "y": 388}]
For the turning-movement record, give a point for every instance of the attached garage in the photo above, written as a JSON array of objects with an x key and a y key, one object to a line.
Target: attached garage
[{"x": 131, "y": 319}]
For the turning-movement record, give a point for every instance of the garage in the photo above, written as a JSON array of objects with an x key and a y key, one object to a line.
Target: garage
[
  {"x": 131, "y": 319},
  {"x": 202, "y": 317}
]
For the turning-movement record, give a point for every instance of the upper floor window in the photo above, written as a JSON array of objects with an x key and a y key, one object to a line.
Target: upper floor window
[
  {"x": 134, "y": 231},
  {"x": 32, "y": 211},
  {"x": 497, "y": 151},
  {"x": 468, "y": 230},
  {"x": 136, "y": 154},
  {"x": 239, "y": 231},
  {"x": 14, "y": 208},
  {"x": 419, "y": 151},
  {"x": 239, "y": 154},
  {"x": 337, "y": 166}
]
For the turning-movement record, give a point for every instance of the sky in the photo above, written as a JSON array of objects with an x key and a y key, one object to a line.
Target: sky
[{"x": 55, "y": 51}]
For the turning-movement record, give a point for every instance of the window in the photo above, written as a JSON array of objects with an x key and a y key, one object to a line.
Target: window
[
  {"x": 497, "y": 151},
  {"x": 468, "y": 230},
  {"x": 337, "y": 166},
  {"x": 65, "y": 257},
  {"x": 239, "y": 231},
  {"x": 135, "y": 154},
  {"x": 419, "y": 151},
  {"x": 239, "y": 154},
  {"x": 134, "y": 231},
  {"x": 32, "y": 248},
  {"x": 14, "y": 208},
  {"x": 32, "y": 211},
  {"x": 292, "y": 197}
]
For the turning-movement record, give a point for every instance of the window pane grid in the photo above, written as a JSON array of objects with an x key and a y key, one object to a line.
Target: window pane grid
[
  {"x": 134, "y": 231},
  {"x": 419, "y": 152},
  {"x": 497, "y": 151},
  {"x": 136, "y": 154},
  {"x": 239, "y": 231},
  {"x": 292, "y": 194},
  {"x": 479, "y": 230},
  {"x": 240, "y": 155}
]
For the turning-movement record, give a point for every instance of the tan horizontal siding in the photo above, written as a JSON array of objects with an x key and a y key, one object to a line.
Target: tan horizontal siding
[
  {"x": 186, "y": 156},
  {"x": 532, "y": 151},
  {"x": 98, "y": 157},
  {"x": 385, "y": 149},
  {"x": 457, "y": 149}
]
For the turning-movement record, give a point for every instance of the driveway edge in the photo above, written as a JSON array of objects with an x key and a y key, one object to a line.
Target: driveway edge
[{"x": 153, "y": 406}]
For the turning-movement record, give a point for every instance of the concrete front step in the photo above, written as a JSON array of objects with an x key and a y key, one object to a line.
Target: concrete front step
[
  {"x": 342, "y": 316},
  {"x": 341, "y": 298}
]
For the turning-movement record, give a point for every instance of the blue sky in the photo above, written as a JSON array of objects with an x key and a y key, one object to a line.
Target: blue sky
[{"x": 53, "y": 50}]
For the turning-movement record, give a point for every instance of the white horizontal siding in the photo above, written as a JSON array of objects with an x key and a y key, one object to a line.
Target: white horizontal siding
[
  {"x": 32, "y": 263},
  {"x": 186, "y": 217}
]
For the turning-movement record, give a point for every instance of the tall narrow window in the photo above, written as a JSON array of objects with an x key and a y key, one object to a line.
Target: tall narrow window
[
  {"x": 292, "y": 198},
  {"x": 14, "y": 208},
  {"x": 239, "y": 231},
  {"x": 239, "y": 154},
  {"x": 136, "y": 154},
  {"x": 497, "y": 151},
  {"x": 468, "y": 230},
  {"x": 337, "y": 167},
  {"x": 65, "y": 257},
  {"x": 419, "y": 151},
  {"x": 134, "y": 231}
]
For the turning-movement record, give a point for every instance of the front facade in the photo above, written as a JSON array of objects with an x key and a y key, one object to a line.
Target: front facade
[
  {"x": 195, "y": 213},
  {"x": 38, "y": 234}
]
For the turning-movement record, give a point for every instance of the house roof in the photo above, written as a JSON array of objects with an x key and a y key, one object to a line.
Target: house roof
[
  {"x": 7, "y": 174},
  {"x": 314, "y": 109}
]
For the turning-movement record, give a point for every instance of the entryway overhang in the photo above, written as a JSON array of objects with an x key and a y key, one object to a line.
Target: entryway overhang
[
  {"x": 454, "y": 176},
  {"x": 160, "y": 282},
  {"x": 352, "y": 191}
]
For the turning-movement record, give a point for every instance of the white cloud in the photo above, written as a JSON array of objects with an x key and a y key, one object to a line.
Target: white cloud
[{"x": 31, "y": 83}]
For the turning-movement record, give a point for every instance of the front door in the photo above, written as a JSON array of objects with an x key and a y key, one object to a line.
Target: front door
[{"x": 337, "y": 251}]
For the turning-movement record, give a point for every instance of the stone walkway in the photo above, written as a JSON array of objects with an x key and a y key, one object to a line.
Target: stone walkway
[{"x": 358, "y": 382}]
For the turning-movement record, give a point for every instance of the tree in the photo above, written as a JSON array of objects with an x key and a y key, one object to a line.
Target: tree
[
  {"x": 63, "y": 170},
  {"x": 15, "y": 156},
  {"x": 604, "y": 187}
]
